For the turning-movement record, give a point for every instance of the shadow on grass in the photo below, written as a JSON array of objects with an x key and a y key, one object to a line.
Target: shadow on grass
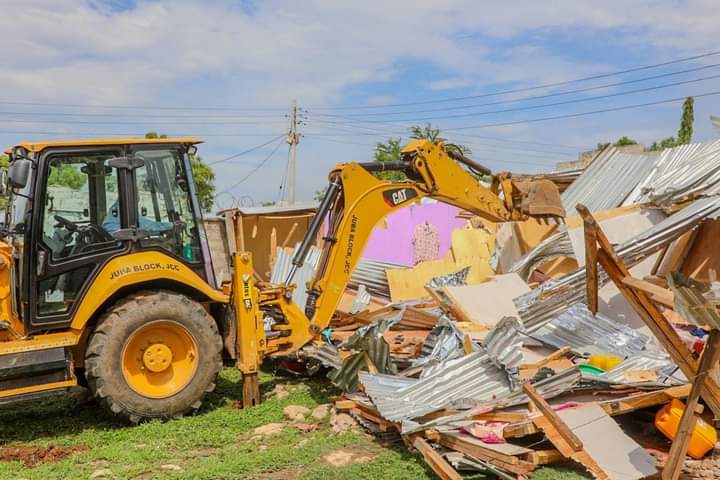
[{"x": 53, "y": 417}]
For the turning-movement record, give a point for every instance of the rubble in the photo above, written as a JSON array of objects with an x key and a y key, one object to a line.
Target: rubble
[{"x": 489, "y": 359}]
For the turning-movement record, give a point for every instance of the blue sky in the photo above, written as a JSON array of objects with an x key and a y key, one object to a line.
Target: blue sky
[{"x": 227, "y": 72}]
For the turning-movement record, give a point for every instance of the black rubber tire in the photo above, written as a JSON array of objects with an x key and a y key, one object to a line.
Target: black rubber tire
[{"x": 103, "y": 356}]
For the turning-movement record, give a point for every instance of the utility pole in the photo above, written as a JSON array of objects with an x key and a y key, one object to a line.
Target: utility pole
[{"x": 293, "y": 139}]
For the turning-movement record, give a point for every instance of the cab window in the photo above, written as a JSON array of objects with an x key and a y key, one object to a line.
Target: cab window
[
  {"x": 165, "y": 214},
  {"x": 81, "y": 206}
]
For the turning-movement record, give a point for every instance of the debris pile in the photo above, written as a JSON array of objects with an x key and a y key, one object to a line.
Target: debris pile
[{"x": 533, "y": 344}]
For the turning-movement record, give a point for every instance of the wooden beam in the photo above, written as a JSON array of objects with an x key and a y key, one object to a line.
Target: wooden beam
[
  {"x": 553, "y": 417},
  {"x": 659, "y": 294},
  {"x": 545, "y": 457},
  {"x": 650, "y": 314},
  {"x": 676, "y": 457},
  {"x": 473, "y": 447},
  {"x": 438, "y": 464},
  {"x": 591, "y": 271},
  {"x": 552, "y": 357}
]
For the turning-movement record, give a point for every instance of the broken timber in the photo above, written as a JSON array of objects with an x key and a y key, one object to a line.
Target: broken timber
[{"x": 643, "y": 305}]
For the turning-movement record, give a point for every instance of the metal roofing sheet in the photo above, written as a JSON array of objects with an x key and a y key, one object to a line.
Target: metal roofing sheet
[
  {"x": 470, "y": 377},
  {"x": 608, "y": 180},
  {"x": 679, "y": 173},
  {"x": 555, "y": 296},
  {"x": 584, "y": 332}
]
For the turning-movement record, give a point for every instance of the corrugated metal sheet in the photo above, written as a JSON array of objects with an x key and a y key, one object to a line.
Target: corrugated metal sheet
[
  {"x": 504, "y": 343},
  {"x": 679, "y": 173},
  {"x": 371, "y": 273},
  {"x": 608, "y": 180},
  {"x": 658, "y": 362},
  {"x": 557, "y": 245},
  {"x": 283, "y": 263},
  {"x": 695, "y": 301},
  {"x": 554, "y": 297},
  {"x": 584, "y": 332},
  {"x": 470, "y": 377}
]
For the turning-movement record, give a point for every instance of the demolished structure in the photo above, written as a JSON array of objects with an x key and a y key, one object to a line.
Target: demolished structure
[{"x": 533, "y": 343}]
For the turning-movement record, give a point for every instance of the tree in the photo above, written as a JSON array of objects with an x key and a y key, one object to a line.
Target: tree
[
  {"x": 65, "y": 175},
  {"x": 621, "y": 142},
  {"x": 684, "y": 135},
  {"x": 625, "y": 141},
  {"x": 390, "y": 151},
  {"x": 203, "y": 175}
]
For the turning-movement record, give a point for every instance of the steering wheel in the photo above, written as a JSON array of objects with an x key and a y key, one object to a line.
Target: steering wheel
[{"x": 68, "y": 224}]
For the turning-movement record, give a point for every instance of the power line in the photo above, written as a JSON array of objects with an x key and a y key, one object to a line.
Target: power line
[
  {"x": 555, "y": 104},
  {"x": 257, "y": 167},
  {"x": 581, "y": 114},
  {"x": 257, "y": 147},
  {"x": 526, "y": 89},
  {"x": 524, "y": 99}
]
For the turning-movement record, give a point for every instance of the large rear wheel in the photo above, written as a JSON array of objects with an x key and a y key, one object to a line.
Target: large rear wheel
[{"x": 154, "y": 355}]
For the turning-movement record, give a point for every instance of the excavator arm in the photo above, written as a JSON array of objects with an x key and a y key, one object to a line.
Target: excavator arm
[{"x": 354, "y": 203}]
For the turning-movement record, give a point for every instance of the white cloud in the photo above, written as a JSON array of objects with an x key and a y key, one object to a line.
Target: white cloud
[{"x": 178, "y": 52}]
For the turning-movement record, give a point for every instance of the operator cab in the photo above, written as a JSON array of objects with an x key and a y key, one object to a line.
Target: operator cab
[{"x": 75, "y": 205}]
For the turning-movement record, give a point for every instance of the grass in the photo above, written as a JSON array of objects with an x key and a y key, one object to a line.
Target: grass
[{"x": 217, "y": 443}]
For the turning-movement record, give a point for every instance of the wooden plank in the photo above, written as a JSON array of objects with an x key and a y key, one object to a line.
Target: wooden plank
[
  {"x": 649, "y": 313},
  {"x": 545, "y": 457},
  {"x": 553, "y": 417},
  {"x": 345, "y": 404},
  {"x": 500, "y": 416},
  {"x": 288, "y": 237},
  {"x": 676, "y": 457},
  {"x": 553, "y": 356},
  {"x": 659, "y": 294},
  {"x": 438, "y": 464},
  {"x": 473, "y": 447},
  {"x": 591, "y": 284},
  {"x": 468, "y": 345},
  {"x": 644, "y": 400}
]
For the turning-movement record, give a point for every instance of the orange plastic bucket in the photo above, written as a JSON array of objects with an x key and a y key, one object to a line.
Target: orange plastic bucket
[{"x": 703, "y": 438}]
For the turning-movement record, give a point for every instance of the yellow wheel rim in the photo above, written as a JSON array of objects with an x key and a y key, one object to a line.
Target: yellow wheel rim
[{"x": 159, "y": 359}]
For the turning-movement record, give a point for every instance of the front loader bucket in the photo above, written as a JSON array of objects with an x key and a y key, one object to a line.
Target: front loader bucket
[{"x": 541, "y": 199}]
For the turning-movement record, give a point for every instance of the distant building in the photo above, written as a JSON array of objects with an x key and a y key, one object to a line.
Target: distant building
[{"x": 586, "y": 158}]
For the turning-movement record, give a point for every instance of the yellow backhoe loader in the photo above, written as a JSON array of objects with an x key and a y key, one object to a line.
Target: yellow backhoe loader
[{"x": 106, "y": 281}]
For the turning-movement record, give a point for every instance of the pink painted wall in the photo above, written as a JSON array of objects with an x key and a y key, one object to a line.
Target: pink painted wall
[{"x": 394, "y": 243}]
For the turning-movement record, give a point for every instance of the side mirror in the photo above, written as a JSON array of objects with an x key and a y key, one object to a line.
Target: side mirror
[
  {"x": 3, "y": 182},
  {"x": 19, "y": 172}
]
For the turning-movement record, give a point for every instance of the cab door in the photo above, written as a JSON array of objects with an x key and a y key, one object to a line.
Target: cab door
[{"x": 78, "y": 207}]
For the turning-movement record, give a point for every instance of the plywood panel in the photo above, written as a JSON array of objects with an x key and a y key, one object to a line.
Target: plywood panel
[
  {"x": 488, "y": 302},
  {"x": 703, "y": 255}
]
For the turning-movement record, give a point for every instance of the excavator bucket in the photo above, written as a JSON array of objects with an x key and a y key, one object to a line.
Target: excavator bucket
[{"x": 540, "y": 199}]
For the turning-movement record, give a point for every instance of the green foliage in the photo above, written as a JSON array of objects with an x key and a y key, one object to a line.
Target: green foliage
[
  {"x": 66, "y": 175},
  {"x": 624, "y": 141},
  {"x": 203, "y": 175},
  {"x": 320, "y": 194},
  {"x": 390, "y": 150},
  {"x": 621, "y": 142},
  {"x": 668, "y": 142},
  {"x": 685, "y": 132},
  {"x": 155, "y": 135}
]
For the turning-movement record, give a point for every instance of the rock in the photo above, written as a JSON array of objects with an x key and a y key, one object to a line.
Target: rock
[
  {"x": 341, "y": 458},
  {"x": 342, "y": 422},
  {"x": 321, "y": 411},
  {"x": 171, "y": 467},
  {"x": 296, "y": 413},
  {"x": 302, "y": 443},
  {"x": 280, "y": 392},
  {"x": 262, "y": 448},
  {"x": 270, "y": 429},
  {"x": 101, "y": 473},
  {"x": 307, "y": 427}
]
